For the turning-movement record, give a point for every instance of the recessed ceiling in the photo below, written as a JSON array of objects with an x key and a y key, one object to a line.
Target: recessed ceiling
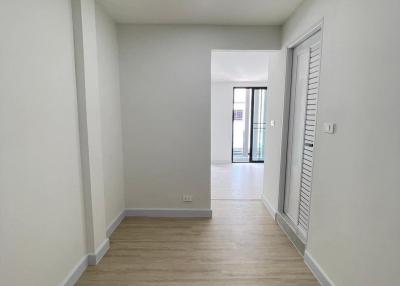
[
  {"x": 209, "y": 12},
  {"x": 239, "y": 66}
]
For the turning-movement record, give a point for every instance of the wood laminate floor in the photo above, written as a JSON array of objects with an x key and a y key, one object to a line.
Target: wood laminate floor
[{"x": 240, "y": 245}]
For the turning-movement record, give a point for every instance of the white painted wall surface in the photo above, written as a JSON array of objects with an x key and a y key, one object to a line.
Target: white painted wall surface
[
  {"x": 221, "y": 119},
  {"x": 276, "y": 89},
  {"x": 166, "y": 107},
  {"x": 110, "y": 111},
  {"x": 42, "y": 233},
  {"x": 354, "y": 231},
  {"x": 87, "y": 79}
]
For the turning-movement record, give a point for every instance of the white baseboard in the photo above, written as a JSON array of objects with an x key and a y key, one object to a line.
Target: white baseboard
[
  {"x": 115, "y": 223},
  {"x": 94, "y": 258},
  {"x": 269, "y": 207},
  {"x": 76, "y": 272},
  {"x": 91, "y": 259},
  {"x": 319, "y": 274},
  {"x": 206, "y": 213}
]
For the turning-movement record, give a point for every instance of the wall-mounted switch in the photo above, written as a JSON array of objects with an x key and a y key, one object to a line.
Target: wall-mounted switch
[
  {"x": 329, "y": 127},
  {"x": 187, "y": 198},
  {"x": 272, "y": 123}
]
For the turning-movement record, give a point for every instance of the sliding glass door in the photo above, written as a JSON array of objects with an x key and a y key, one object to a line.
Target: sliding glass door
[
  {"x": 248, "y": 124},
  {"x": 258, "y": 124},
  {"x": 241, "y": 125}
]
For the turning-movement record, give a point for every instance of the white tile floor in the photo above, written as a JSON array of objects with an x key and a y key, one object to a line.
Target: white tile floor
[{"x": 241, "y": 181}]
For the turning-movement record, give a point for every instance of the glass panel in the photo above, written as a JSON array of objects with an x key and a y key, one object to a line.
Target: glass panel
[
  {"x": 259, "y": 124},
  {"x": 241, "y": 125}
]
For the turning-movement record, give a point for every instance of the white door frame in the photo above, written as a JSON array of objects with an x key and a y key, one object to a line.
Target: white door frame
[{"x": 281, "y": 217}]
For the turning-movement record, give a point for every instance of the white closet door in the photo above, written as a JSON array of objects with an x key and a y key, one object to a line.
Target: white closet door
[{"x": 303, "y": 108}]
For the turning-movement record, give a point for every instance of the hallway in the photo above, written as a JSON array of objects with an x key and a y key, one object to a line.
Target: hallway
[{"x": 240, "y": 245}]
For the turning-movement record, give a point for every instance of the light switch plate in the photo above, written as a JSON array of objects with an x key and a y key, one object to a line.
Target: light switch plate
[
  {"x": 329, "y": 127},
  {"x": 272, "y": 123}
]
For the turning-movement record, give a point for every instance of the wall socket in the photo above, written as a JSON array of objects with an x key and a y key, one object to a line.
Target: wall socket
[{"x": 187, "y": 198}]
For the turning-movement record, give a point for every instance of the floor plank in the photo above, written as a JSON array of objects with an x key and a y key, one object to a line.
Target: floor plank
[{"x": 240, "y": 245}]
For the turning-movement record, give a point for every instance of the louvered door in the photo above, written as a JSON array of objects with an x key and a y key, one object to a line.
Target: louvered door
[
  {"x": 309, "y": 137},
  {"x": 303, "y": 112}
]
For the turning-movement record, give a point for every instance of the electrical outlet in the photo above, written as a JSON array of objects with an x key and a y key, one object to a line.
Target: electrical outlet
[{"x": 187, "y": 198}]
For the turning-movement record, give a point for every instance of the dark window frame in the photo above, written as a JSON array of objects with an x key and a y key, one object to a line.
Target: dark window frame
[{"x": 251, "y": 121}]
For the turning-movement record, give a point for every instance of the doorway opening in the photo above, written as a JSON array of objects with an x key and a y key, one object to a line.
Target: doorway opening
[
  {"x": 239, "y": 81},
  {"x": 248, "y": 124}
]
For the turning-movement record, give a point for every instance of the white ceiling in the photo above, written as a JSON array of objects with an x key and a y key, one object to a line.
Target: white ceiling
[
  {"x": 211, "y": 12},
  {"x": 239, "y": 66}
]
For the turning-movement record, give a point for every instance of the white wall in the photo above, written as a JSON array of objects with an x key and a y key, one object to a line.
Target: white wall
[
  {"x": 109, "y": 91},
  {"x": 273, "y": 146},
  {"x": 42, "y": 233},
  {"x": 221, "y": 119},
  {"x": 166, "y": 106},
  {"x": 354, "y": 231},
  {"x": 87, "y": 86}
]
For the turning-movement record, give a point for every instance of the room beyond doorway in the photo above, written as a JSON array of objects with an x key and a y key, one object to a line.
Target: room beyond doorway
[
  {"x": 239, "y": 81},
  {"x": 237, "y": 181}
]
